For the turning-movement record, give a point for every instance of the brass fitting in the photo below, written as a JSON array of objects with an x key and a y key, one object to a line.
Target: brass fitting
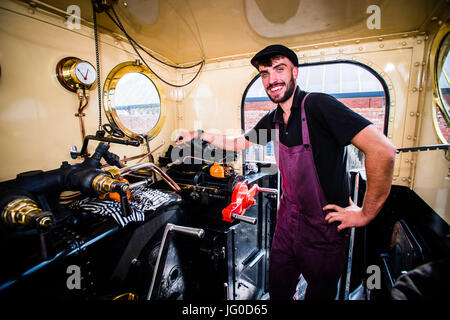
[
  {"x": 25, "y": 211},
  {"x": 115, "y": 173},
  {"x": 103, "y": 184}
]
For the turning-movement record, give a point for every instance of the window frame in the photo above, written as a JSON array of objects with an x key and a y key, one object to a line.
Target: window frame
[
  {"x": 109, "y": 106},
  {"x": 437, "y": 102}
]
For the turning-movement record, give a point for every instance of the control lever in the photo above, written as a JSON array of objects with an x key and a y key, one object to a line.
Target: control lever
[
  {"x": 99, "y": 136},
  {"x": 244, "y": 218},
  {"x": 162, "y": 255},
  {"x": 122, "y": 189},
  {"x": 242, "y": 199}
]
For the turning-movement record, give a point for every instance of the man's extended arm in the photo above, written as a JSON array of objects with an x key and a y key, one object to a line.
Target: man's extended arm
[
  {"x": 379, "y": 163},
  {"x": 220, "y": 141}
]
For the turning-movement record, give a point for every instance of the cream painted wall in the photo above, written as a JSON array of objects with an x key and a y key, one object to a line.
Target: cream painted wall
[
  {"x": 37, "y": 122},
  {"x": 432, "y": 180}
]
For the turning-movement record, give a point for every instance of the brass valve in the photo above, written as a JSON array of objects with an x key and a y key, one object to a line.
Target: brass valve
[
  {"x": 104, "y": 183},
  {"x": 25, "y": 211}
]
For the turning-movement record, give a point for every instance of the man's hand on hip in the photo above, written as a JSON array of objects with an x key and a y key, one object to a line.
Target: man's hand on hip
[{"x": 351, "y": 216}]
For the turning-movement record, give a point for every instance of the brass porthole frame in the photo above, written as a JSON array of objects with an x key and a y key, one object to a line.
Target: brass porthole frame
[
  {"x": 109, "y": 89},
  {"x": 437, "y": 98}
]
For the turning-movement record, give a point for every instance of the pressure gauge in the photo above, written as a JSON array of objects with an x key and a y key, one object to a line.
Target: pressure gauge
[
  {"x": 74, "y": 73},
  {"x": 85, "y": 73}
]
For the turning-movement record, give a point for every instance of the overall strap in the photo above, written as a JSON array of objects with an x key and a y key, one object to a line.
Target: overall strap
[
  {"x": 277, "y": 130},
  {"x": 305, "y": 132}
]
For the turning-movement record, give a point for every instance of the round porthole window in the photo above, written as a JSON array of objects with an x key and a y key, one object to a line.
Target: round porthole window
[
  {"x": 441, "y": 70},
  {"x": 133, "y": 101}
]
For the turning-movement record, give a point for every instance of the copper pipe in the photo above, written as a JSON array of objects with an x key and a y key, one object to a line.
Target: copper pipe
[
  {"x": 149, "y": 153},
  {"x": 82, "y": 95},
  {"x": 140, "y": 156},
  {"x": 163, "y": 175},
  {"x": 82, "y": 129}
]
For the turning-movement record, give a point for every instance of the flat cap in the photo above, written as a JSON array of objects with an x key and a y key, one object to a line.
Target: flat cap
[{"x": 273, "y": 50}]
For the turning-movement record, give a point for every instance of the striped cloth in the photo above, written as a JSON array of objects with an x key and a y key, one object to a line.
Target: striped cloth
[{"x": 142, "y": 200}]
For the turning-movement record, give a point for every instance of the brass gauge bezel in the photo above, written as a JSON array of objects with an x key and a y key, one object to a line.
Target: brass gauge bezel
[
  {"x": 109, "y": 100},
  {"x": 66, "y": 75}
]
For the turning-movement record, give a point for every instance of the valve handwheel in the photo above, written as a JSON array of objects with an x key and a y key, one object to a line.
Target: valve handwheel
[{"x": 241, "y": 199}]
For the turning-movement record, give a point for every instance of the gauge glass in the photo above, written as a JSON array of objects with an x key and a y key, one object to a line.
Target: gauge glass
[{"x": 85, "y": 73}]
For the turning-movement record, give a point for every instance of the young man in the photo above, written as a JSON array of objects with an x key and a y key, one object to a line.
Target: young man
[{"x": 310, "y": 149}]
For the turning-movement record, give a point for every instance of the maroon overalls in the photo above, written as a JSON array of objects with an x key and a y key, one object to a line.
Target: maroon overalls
[{"x": 303, "y": 243}]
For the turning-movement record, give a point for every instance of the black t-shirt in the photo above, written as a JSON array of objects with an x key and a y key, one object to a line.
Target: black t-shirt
[{"x": 331, "y": 126}]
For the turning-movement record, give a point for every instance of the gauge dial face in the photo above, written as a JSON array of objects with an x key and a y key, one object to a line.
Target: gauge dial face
[{"x": 85, "y": 73}]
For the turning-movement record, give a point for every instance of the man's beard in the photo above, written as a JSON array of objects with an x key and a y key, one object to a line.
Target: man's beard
[{"x": 290, "y": 87}]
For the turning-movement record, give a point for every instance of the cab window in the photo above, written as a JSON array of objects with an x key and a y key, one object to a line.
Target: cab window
[{"x": 355, "y": 85}]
